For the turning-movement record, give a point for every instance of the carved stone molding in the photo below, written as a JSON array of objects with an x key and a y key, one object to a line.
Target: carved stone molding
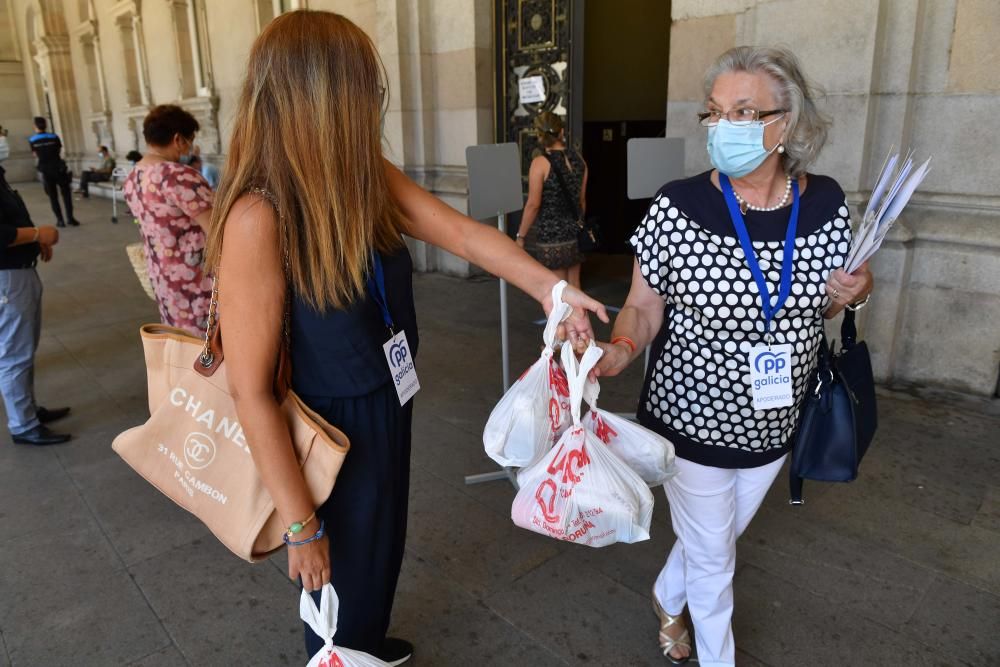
[
  {"x": 206, "y": 111},
  {"x": 127, "y": 15},
  {"x": 100, "y": 125},
  {"x": 134, "y": 117},
  {"x": 52, "y": 45}
]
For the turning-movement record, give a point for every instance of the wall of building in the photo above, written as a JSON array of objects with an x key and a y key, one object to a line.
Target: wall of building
[
  {"x": 102, "y": 80},
  {"x": 913, "y": 73},
  {"x": 15, "y": 110},
  {"x": 438, "y": 54}
]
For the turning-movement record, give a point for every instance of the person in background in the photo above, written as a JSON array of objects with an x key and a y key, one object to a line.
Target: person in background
[
  {"x": 47, "y": 148},
  {"x": 209, "y": 171},
  {"x": 133, "y": 156},
  {"x": 555, "y": 178},
  {"x": 4, "y": 146},
  {"x": 21, "y": 245},
  {"x": 716, "y": 249},
  {"x": 98, "y": 175},
  {"x": 173, "y": 204}
]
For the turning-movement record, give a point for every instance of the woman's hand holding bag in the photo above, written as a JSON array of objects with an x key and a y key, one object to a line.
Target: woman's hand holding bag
[
  {"x": 323, "y": 621},
  {"x": 535, "y": 410},
  {"x": 580, "y": 491}
]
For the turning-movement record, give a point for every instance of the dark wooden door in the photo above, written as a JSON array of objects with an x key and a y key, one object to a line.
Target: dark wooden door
[{"x": 537, "y": 38}]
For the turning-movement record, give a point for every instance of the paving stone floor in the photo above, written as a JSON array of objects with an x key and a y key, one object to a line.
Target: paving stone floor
[{"x": 901, "y": 567}]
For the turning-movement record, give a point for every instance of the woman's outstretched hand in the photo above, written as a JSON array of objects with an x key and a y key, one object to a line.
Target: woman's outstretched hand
[{"x": 576, "y": 328}]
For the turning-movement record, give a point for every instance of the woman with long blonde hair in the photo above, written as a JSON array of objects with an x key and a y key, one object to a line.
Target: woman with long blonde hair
[{"x": 310, "y": 217}]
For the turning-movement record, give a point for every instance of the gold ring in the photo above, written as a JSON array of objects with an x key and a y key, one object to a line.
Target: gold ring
[{"x": 836, "y": 294}]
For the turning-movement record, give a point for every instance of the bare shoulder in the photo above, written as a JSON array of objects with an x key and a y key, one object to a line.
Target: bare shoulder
[
  {"x": 252, "y": 215},
  {"x": 540, "y": 164},
  {"x": 251, "y": 232}
]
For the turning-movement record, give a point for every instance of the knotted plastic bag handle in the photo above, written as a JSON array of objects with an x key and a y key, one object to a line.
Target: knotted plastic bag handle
[
  {"x": 577, "y": 372},
  {"x": 560, "y": 311},
  {"x": 322, "y": 621}
]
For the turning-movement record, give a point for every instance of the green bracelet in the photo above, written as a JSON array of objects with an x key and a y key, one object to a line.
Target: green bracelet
[{"x": 299, "y": 526}]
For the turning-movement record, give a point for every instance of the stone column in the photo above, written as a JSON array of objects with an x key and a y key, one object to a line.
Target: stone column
[
  {"x": 57, "y": 68},
  {"x": 434, "y": 54},
  {"x": 139, "y": 45}
]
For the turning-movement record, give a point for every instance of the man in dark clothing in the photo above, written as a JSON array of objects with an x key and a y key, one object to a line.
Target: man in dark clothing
[
  {"x": 47, "y": 148},
  {"x": 21, "y": 244},
  {"x": 98, "y": 175}
]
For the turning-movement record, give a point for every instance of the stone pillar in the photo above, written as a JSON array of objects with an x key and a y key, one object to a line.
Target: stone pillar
[
  {"x": 440, "y": 98},
  {"x": 139, "y": 44},
  {"x": 57, "y": 68},
  {"x": 20, "y": 166}
]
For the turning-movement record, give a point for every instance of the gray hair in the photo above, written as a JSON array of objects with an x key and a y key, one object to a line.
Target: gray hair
[{"x": 807, "y": 126}]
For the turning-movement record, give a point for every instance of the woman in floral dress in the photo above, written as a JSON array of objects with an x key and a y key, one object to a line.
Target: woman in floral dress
[{"x": 173, "y": 204}]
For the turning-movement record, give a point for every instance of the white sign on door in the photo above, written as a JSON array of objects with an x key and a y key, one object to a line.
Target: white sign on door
[{"x": 531, "y": 89}]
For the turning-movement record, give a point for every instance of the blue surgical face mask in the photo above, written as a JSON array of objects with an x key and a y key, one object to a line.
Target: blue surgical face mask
[{"x": 736, "y": 150}]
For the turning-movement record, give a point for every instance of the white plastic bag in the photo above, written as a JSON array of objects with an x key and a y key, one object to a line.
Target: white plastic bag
[
  {"x": 580, "y": 491},
  {"x": 647, "y": 453},
  {"x": 535, "y": 410},
  {"x": 323, "y": 622}
]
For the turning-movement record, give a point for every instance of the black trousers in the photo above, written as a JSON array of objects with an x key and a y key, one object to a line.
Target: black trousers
[
  {"x": 365, "y": 515},
  {"x": 88, "y": 177},
  {"x": 58, "y": 181}
]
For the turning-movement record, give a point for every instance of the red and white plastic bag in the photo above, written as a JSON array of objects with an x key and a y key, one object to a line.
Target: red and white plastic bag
[
  {"x": 535, "y": 410},
  {"x": 323, "y": 622},
  {"x": 648, "y": 454},
  {"x": 580, "y": 491}
]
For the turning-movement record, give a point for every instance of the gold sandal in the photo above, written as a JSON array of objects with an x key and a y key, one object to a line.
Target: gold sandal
[{"x": 668, "y": 643}]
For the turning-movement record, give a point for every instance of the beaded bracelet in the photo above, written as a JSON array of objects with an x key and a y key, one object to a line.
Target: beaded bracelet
[
  {"x": 624, "y": 339},
  {"x": 318, "y": 536},
  {"x": 299, "y": 526}
]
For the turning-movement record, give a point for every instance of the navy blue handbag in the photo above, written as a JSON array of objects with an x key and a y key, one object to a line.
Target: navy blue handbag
[{"x": 839, "y": 416}]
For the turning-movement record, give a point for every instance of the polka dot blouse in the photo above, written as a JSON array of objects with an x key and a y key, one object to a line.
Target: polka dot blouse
[{"x": 696, "y": 392}]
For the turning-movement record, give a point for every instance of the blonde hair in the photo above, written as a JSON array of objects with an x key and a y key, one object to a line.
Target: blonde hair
[
  {"x": 308, "y": 131},
  {"x": 548, "y": 128}
]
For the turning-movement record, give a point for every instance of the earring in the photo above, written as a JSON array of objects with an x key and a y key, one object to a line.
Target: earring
[{"x": 781, "y": 148}]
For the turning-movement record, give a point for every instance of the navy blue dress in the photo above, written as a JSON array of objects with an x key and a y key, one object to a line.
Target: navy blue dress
[{"x": 340, "y": 371}]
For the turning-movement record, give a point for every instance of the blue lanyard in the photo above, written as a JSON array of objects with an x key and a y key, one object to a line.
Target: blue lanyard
[
  {"x": 376, "y": 287},
  {"x": 768, "y": 307}
]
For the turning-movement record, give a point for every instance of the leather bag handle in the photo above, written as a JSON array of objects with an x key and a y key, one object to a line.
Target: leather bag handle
[
  {"x": 212, "y": 354},
  {"x": 573, "y": 206},
  {"x": 848, "y": 330}
]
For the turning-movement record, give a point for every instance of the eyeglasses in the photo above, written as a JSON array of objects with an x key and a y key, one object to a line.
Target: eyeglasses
[{"x": 740, "y": 116}]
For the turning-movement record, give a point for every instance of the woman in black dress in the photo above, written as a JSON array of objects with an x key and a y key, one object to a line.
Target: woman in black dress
[
  {"x": 555, "y": 178},
  {"x": 309, "y": 211}
]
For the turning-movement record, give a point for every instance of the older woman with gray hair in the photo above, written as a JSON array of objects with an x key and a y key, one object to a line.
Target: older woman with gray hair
[{"x": 747, "y": 258}]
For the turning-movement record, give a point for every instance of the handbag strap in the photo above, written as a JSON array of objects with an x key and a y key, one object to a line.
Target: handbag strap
[
  {"x": 848, "y": 330},
  {"x": 212, "y": 353},
  {"x": 564, "y": 190}
]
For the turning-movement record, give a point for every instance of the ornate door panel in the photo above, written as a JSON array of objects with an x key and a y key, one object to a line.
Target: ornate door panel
[{"x": 535, "y": 38}]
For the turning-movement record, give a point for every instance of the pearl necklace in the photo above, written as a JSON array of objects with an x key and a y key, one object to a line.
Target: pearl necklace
[{"x": 745, "y": 205}]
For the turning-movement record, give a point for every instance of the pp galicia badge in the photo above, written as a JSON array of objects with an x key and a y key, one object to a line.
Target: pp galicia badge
[
  {"x": 771, "y": 376},
  {"x": 404, "y": 373},
  {"x": 397, "y": 349}
]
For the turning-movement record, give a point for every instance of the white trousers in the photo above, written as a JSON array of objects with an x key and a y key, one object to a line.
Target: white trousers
[{"x": 709, "y": 509}]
